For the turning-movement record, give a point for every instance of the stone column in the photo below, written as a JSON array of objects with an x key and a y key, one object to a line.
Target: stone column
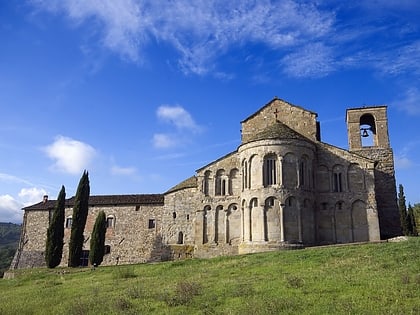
[
  {"x": 247, "y": 224},
  {"x": 280, "y": 171},
  {"x": 282, "y": 205},
  {"x": 299, "y": 219}
]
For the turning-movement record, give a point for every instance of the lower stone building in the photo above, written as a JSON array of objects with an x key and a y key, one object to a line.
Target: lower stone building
[{"x": 282, "y": 187}]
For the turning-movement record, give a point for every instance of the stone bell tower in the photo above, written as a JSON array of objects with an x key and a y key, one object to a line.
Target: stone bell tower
[{"x": 367, "y": 130}]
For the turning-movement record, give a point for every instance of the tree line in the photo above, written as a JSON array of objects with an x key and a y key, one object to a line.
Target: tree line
[
  {"x": 407, "y": 215},
  {"x": 55, "y": 232}
]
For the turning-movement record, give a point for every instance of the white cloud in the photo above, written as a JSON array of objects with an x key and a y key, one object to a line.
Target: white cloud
[
  {"x": 177, "y": 116},
  {"x": 10, "y": 209},
  {"x": 125, "y": 171},
  {"x": 70, "y": 156},
  {"x": 30, "y": 196},
  {"x": 164, "y": 141}
]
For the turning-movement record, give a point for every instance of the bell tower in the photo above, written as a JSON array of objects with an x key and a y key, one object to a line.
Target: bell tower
[{"x": 367, "y": 129}]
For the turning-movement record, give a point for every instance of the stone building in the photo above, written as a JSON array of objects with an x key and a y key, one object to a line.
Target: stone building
[{"x": 282, "y": 187}]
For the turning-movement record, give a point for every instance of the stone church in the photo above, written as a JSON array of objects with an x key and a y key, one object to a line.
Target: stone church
[{"x": 281, "y": 188}]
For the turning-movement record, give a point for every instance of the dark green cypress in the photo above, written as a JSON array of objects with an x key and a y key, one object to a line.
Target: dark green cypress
[
  {"x": 80, "y": 212},
  {"x": 403, "y": 210},
  {"x": 97, "y": 240},
  {"x": 55, "y": 232},
  {"x": 411, "y": 221}
]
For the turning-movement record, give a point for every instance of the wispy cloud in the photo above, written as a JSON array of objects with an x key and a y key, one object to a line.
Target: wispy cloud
[
  {"x": 309, "y": 38},
  {"x": 177, "y": 116},
  {"x": 182, "y": 123},
  {"x": 164, "y": 141},
  {"x": 69, "y": 155},
  {"x": 313, "y": 60},
  {"x": 123, "y": 171},
  {"x": 409, "y": 101},
  {"x": 14, "y": 179},
  {"x": 199, "y": 30}
]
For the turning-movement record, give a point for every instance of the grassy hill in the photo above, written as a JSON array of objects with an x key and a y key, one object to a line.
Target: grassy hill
[
  {"x": 9, "y": 238},
  {"x": 381, "y": 278}
]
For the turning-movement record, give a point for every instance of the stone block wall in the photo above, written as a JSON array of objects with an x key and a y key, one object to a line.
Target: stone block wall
[{"x": 297, "y": 118}]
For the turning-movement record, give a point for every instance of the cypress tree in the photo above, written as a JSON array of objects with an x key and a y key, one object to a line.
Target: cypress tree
[
  {"x": 97, "y": 240},
  {"x": 55, "y": 232},
  {"x": 411, "y": 221},
  {"x": 403, "y": 209},
  {"x": 80, "y": 212}
]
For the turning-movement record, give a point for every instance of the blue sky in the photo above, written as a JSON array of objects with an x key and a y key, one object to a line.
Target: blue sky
[{"x": 143, "y": 93}]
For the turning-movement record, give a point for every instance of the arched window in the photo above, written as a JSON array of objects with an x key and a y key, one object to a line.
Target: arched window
[
  {"x": 270, "y": 170},
  {"x": 367, "y": 130},
  {"x": 110, "y": 221},
  {"x": 338, "y": 180},
  {"x": 206, "y": 183},
  {"x": 220, "y": 183},
  {"x": 69, "y": 221},
  {"x": 180, "y": 238},
  {"x": 244, "y": 174}
]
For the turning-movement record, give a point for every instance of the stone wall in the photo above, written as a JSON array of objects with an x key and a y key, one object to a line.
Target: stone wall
[
  {"x": 297, "y": 118},
  {"x": 131, "y": 239}
]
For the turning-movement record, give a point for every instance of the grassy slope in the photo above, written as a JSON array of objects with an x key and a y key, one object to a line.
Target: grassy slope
[{"x": 357, "y": 279}]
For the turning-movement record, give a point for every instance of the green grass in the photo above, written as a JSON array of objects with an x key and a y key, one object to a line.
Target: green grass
[{"x": 382, "y": 278}]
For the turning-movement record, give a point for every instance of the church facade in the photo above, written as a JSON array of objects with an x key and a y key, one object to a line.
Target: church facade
[{"x": 281, "y": 188}]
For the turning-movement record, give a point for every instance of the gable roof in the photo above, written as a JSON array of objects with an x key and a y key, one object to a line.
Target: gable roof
[
  {"x": 273, "y": 100},
  {"x": 105, "y": 200}
]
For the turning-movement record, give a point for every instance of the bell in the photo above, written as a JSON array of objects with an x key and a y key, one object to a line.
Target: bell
[{"x": 365, "y": 133}]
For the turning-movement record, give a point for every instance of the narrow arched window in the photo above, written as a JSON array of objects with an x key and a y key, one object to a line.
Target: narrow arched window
[
  {"x": 270, "y": 170},
  {"x": 180, "y": 238},
  {"x": 220, "y": 183},
  {"x": 110, "y": 221}
]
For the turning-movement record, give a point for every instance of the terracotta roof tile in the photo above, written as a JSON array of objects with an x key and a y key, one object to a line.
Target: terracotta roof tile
[{"x": 106, "y": 200}]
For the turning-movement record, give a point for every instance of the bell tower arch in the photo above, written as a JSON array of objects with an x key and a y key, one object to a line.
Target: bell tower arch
[{"x": 367, "y": 130}]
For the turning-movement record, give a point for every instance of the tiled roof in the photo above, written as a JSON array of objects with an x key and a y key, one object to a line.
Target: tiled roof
[
  {"x": 106, "y": 200},
  {"x": 277, "y": 131},
  {"x": 188, "y": 183}
]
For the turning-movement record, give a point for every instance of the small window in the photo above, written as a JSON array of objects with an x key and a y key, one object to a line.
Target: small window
[
  {"x": 69, "y": 221},
  {"x": 152, "y": 223},
  {"x": 110, "y": 222},
  {"x": 188, "y": 217},
  {"x": 180, "y": 238},
  {"x": 107, "y": 249},
  {"x": 174, "y": 215}
]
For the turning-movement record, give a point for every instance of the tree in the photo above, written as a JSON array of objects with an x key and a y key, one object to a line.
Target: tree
[
  {"x": 403, "y": 210},
  {"x": 55, "y": 232},
  {"x": 80, "y": 212},
  {"x": 411, "y": 221},
  {"x": 97, "y": 240}
]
